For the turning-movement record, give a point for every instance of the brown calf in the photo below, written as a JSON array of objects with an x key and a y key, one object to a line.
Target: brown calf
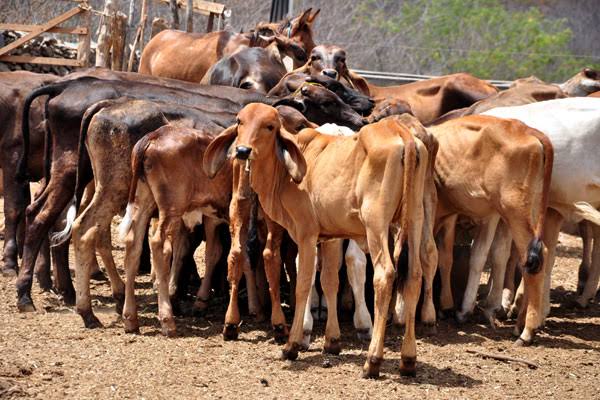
[
  {"x": 187, "y": 56},
  {"x": 490, "y": 169},
  {"x": 319, "y": 187}
]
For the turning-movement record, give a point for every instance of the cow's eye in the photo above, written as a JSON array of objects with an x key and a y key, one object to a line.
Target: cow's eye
[
  {"x": 246, "y": 85},
  {"x": 270, "y": 127},
  {"x": 315, "y": 58}
]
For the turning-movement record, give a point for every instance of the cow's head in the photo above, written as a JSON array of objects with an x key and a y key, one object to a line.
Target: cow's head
[
  {"x": 587, "y": 81},
  {"x": 321, "y": 106},
  {"x": 330, "y": 60},
  {"x": 257, "y": 137},
  {"x": 298, "y": 29},
  {"x": 252, "y": 68}
]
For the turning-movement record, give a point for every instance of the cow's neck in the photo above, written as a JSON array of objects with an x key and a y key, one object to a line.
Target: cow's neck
[{"x": 280, "y": 198}]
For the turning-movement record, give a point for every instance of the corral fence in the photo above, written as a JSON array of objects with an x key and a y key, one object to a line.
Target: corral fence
[{"x": 52, "y": 26}]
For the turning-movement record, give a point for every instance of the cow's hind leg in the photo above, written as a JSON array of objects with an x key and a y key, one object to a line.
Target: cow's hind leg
[
  {"x": 500, "y": 253},
  {"x": 331, "y": 252},
  {"x": 447, "y": 231},
  {"x": 356, "y": 267},
  {"x": 16, "y": 198},
  {"x": 591, "y": 284},
  {"x": 40, "y": 216},
  {"x": 587, "y": 237},
  {"x": 142, "y": 211},
  {"x": 162, "y": 243},
  {"x": 213, "y": 252}
]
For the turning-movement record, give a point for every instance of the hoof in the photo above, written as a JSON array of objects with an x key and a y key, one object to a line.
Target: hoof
[
  {"x": 461, "y": 317},
  {"x": 98, "y": 276},
  {"x": 512, "y": 313},
  {"x": 257, "y": 317},
  {"x": 502, "y": 314},
  {"x": 231, "y": 332},
  {"x": 9, "y": 272},
  {"x": 168, "y": 327},
  {"x": 429, "y": 329},
  {"x": 523, "y": 343},
  {"x": 119, "y": 302},
  {"x": 363, "y": 334},
  {"x": 91, "y": 321},
  {"x": 446, "y": 314},
  {"x": 305, "y": 345},
  {"x": 25, "y": 304},
  {"x": 280, "y": 333},
  {"x": 408, "y": 366},
  {"x": 332, "y": 346},
  {"x": 200, "y": 306},
  {"x": 371, "y": 368},
  {"x": 131, "y": 325},
  {"x": 69, "y": 298},
  {"x": 290, "y": 351}
]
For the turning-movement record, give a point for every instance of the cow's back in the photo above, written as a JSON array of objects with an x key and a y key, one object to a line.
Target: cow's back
[
  {"x": 186, "y": 56},
  {"x": 573, "y": 126}
]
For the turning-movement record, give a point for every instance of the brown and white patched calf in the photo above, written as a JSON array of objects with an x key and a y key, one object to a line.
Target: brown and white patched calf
[{"x": 367, "y": 187}]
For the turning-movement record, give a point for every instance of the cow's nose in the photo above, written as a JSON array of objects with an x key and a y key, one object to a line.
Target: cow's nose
[
  {"x": 332, "y": 73},
  {"x": 242, "y": 152}
]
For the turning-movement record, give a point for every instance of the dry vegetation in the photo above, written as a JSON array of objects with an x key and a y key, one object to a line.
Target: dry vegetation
[{"x": 48, "y": 354}]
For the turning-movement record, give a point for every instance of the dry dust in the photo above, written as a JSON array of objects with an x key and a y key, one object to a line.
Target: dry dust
[{"x": 49, "y": 354}]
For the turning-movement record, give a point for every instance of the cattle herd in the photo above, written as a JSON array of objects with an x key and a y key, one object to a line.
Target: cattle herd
[{"x": 314, "y": 167}]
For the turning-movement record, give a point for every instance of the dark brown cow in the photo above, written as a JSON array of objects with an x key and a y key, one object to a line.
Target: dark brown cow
[
  {"x": 14, "y": 87},
  {"x": 428, "y": 99},
  {"x": 70, "y": 100},
  {"x": 188, "y": 56},
  {"x": 253, "y": 68}
]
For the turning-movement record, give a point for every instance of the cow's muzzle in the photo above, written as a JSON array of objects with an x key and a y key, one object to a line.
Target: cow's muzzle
[
  {"x": 332, "y": 73},
  {"x": 242, "y": 152}
]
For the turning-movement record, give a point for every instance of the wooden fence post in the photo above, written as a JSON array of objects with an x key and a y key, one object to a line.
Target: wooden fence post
[
  {"x": 83, "y": 47},
  {"x": 119, "y": 36},
  {"x": 105, "y": 36}
]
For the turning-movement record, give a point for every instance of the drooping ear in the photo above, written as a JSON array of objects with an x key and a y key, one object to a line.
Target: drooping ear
[
  {"x": 304, "y": 17},
  {"x": 358, "y": 82},
  {"x": 274, "y": 51},
  {"x": 590, "y": 73},
  {"x": 290, "y": 155},
  {"x": 217, "y": 151},
  {"x": 311, "y": 18}
]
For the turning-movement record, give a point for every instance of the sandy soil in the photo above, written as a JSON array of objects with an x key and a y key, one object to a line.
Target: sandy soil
[{"x": 49, "y": 354}]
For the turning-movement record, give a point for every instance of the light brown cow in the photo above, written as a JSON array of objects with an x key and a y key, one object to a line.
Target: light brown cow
[
  {"x": 187, "y": 56},
  {"x": 428, "y": 99},
  {"x": 319, "y": 187},
  {"x": 490, "y": 169}
]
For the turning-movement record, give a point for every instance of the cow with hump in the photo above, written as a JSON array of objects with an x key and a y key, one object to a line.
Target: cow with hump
[{"x": 367, "y": 187}]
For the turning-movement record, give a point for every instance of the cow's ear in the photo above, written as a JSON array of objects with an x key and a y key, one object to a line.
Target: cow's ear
[
  {"x": 304, "y": 18},
  {"x": 290, "y": 155},
  {"x": 312, "y": 17},
  {"x": 358, "y": 82},
  {"x": 217, "y": 151}
]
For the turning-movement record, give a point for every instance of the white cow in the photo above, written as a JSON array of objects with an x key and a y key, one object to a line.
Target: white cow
[{"x": 573, "y": 126}]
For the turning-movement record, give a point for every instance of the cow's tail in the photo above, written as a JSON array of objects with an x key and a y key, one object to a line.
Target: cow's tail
[
  {"x": 137, "y": 169},
  {"x": 51, "y": 91},
  {"x": 58, "y": 238},
  {"x": 535, "y": 254},
  {"x": 410, "y": 168}
]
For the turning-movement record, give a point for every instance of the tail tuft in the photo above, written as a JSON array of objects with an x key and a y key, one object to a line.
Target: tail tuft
[
  {"x": 59, "y": 238},
  {"x": 535, "y": 256},
  {"x": 125, "y": 225}
]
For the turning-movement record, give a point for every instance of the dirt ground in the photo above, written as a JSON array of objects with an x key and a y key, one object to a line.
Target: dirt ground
[{"x": 49, "y": 354}]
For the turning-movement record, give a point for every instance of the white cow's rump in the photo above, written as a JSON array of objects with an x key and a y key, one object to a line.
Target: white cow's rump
[{"x": 573, "y": 126}]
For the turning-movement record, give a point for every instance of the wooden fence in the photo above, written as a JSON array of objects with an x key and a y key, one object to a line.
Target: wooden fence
[{"x": 83, "y": 33}]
